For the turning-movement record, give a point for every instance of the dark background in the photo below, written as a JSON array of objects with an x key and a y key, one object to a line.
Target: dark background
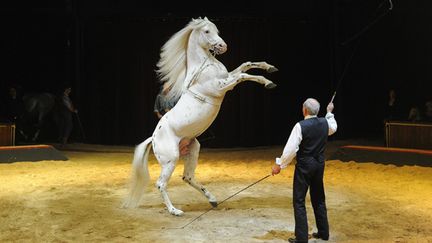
[{"x": 108, "y": 51}]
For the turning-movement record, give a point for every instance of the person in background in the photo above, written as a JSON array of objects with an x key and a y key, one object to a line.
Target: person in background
[
  {"x": 65, "y": 110},
  {"x": 415, "y": 114},
  {"x": 393, "y": 108},
  {"x": 162, "y": 103},
  {"x": 428, "y": 110},
  {"x": 13, "y": 106}
]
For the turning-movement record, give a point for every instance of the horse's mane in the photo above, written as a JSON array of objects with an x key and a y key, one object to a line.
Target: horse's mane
[{"x": 172, "y": 64}]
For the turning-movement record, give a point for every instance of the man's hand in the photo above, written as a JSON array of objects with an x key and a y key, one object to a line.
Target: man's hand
[
  {"x": 159, "y": 116},
  {"x": 276, "y": 169},
  {"x": 330, "y": 107}
]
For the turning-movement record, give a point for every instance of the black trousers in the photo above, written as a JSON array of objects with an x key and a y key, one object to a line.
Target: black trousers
[{"x": 309, "y": 174}]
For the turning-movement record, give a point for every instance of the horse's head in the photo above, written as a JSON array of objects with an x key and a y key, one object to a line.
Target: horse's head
[
  {"x": 207, "y": 36},
  {"x": 195, "y": 41}
]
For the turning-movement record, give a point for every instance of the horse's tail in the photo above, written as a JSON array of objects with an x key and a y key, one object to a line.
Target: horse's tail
[{"x": 140, "y": 174}]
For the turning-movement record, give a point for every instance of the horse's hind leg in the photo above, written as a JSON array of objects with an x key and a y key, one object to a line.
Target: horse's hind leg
[
  {"x": 36, "y": 135},
  {"x": 162, "y": 182},
  {"x": 167, "y": 156},
  {"x": 191, "y": 161},
  {"x": 38, "y": 126}
]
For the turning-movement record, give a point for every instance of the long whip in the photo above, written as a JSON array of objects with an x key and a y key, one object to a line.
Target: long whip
[
  {"x": 355, "y": 37},
  {"x": 344, "y": 72},
  {"x": 199, "y": 216}
]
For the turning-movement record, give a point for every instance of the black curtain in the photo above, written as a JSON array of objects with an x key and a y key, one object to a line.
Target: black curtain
[{"x": 108, "y": 52}]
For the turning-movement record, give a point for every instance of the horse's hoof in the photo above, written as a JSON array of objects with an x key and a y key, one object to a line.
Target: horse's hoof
[
  {"x": 272, "y": 70},
  {"x": 214, "y": 204},
  {"x": 176, "y": 212},
  {"x": 270, "y": 86}
]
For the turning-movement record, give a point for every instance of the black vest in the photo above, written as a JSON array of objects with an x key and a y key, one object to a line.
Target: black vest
[{"x": 315, "y": 133}]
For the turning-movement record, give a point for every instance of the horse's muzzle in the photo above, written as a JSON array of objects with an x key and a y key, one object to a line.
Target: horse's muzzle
[{"x": 220, "y": 48}]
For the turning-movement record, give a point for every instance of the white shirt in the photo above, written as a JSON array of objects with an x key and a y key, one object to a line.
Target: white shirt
[{"x": 294, "y": 140}]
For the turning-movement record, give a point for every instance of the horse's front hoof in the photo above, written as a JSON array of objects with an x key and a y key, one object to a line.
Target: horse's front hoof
[
  {"x": 270, "y": 86},
  {"x": 214, "y": 204},
  {"x": 272, "y": 70}
]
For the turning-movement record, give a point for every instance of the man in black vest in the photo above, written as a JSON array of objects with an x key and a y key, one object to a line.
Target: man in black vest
[{"x": 308, "y": 141}]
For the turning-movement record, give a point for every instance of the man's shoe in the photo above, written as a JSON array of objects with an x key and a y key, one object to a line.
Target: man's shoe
[
  {"x": 318, "y": 236},
  {"x": 294, "y": 240}
]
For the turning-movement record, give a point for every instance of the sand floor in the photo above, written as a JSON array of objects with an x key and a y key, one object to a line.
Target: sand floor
[{"x": 79, "y": 201}]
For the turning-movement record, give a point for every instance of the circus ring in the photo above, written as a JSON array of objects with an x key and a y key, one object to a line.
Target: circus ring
[{"x": 79, "y": 200}]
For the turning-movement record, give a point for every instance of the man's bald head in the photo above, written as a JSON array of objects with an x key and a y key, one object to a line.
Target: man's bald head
[{"x": 311, "y": 106}]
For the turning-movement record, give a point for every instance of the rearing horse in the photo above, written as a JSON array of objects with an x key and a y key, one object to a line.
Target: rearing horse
[{"x": 189, "y": 67}]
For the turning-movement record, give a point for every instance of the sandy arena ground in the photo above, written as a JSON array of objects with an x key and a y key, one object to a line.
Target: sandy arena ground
[{"x": 79, "y": 201}]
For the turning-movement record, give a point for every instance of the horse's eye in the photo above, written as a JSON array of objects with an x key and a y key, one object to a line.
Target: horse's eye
[{"x": 207, "y": 31}]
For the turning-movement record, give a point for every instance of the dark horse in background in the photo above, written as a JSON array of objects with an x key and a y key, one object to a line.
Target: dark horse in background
[{"x": 37, "y": 110}]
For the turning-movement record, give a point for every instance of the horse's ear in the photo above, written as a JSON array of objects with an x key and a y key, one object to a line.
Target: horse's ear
[
  {"x": 205, "y": 18},
  {"x": 195, "y": 20}
]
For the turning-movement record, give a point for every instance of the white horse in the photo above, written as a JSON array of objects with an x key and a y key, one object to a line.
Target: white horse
[{"x": 189, "y": 67}]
